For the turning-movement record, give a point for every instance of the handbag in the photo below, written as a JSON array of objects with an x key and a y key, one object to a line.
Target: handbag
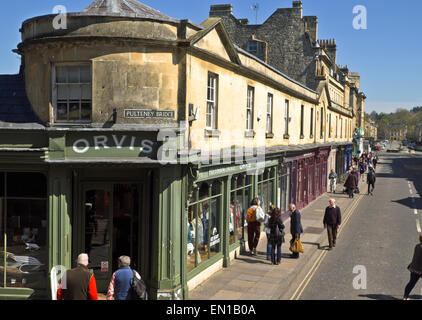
[{"x": 297, "y": 246}]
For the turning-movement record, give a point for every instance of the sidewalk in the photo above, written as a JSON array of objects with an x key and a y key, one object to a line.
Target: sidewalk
[{"x": 254, "y": 277}]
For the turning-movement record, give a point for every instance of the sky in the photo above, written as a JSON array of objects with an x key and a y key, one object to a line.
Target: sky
[{"x": 387, "y": 54}]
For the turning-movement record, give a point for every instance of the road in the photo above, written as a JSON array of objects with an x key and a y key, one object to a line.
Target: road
[{"x": 379, "y": 238}]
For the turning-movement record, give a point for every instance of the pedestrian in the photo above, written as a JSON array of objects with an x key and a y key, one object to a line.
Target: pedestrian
[
  {"x": 120, "y": 285},
  {"x": 80, "y": 282},
  {"x": 375, "y": 161},
  {"x": 277, "y": 235},
  {"x": 333, "y": 181},
  {"x": 415, "y": 268},
  {"x": 267, "y": 230},
  {"x": 295, "y": 226},
  {"x": 362, "y": 169},
  {"x": 254, "y": 225},
  {"x": 356, "y": 172},
  {"x": 351, "y": 183},
  {"x": 371, "y": 179},
  {"x": 332, "y": 222}
]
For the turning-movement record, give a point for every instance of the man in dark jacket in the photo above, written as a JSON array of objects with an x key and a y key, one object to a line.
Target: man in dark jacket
[
  {"x": 371, "y": 179},
  {"x": 332, "y": 221},
  {"x": 295, "y": 226},
  {"x": 415, "y": 269},
  {"x": 351, "y": 183},
  {"x": 79, "y": 282}
]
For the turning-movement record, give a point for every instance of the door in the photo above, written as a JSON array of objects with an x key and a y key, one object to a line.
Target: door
[
  {"x": 111, "y": 228},
  {"x": 97, "y": 228}
]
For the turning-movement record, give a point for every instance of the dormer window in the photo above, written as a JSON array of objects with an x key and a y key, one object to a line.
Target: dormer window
[
  {"x": 72, "y": 93},
  {"x": 253, "y": 46}
]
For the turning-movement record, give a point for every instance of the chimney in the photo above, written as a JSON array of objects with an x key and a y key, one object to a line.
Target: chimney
[
  {"x": 221, "y": 10},
  {"x": 298, "y": 5}
]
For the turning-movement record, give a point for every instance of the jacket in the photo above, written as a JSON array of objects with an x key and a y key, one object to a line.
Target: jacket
[
  {"x": 332, "y": 216},
  {"x": 351, "y": 181},
  {"x": 274, "y": 239},
  {"x": 80, "y": 285},
  {"x": 371, "y": 177},
  {"x": 416, "y": 265},
  {"x": 120, "y": 284},
  {"x": 267, "y": 228},
  {"x": 295, "y": 223},
  {"x": 332, "y": 176}
]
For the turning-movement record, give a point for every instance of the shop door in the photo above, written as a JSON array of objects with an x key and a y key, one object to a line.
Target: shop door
[{"x": 111, "y": 228}]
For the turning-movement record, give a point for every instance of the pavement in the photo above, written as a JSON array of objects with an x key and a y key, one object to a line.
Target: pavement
[
  {"x": 376, "y": 246},
  {"x": 255, "y": 278}
]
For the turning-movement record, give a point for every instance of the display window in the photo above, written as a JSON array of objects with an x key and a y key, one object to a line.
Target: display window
[
  {"x": 285, "y": 188},
  {"x": 204, "y": 220},
  {"x": 23, "y": 227},
  {"x": 240, "y": 198},
  {"x": 266, "y": 185}
]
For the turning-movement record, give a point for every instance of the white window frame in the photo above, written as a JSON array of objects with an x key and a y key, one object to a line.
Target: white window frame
[
  {"x": 55, "y": 89},
  {"x": 250, "y": 108},
  {"x": 212, "y": 101},
  {"x": 286, "y": 116},
  {"x": 270, "y": 103}
]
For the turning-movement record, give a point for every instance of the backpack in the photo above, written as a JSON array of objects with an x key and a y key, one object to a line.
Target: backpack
[
  {"x": 139, "y": 289},
  {"x": 251, "y": 215},
  {"x": 371, "y": 177}
]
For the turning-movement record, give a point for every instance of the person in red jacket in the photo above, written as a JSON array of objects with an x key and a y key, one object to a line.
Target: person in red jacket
[{"x": 79, "y": 282}]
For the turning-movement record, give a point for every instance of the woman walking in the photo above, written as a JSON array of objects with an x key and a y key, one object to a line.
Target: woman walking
[
  {"x": 267, "y": 230},
  {"x": 276, "y": 235},
  {"x": 415, "y": 269}
]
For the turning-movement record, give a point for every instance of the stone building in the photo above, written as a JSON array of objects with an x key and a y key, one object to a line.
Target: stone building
[
  {"x": 418, "y": 132},
  {"x": 397, "y": 132},
  {"x": 371, "y": 130},
  {"x": 131, "y": 132}
]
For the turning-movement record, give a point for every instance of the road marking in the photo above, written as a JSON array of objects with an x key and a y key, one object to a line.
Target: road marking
[
  {"x": 418, "y": 226},
  {"x": 302, "y": 286},
  {"x": 415, "y": 211}
]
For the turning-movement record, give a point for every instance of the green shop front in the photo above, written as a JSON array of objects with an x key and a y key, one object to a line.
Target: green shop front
[{"x": 104, "y": 192}]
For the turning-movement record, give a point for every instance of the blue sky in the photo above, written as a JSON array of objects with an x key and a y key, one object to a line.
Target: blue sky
[{"x": 387, "y": 55}]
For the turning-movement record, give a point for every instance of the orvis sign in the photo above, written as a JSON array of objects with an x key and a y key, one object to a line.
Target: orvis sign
[{"x": 111, "y": 145}]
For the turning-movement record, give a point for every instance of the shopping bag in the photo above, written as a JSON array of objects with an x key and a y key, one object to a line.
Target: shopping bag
[{"x": 297, "y": 246}]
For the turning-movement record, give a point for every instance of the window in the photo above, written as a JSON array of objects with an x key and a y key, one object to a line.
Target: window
[
  {"x": 266, "y": 185},
  {"x": 212, "y": 93},
  {"x": 286, "y": 118},
  {"x": 204, "y": 234},
  {"x": 23, "y": 220},
  {"x": 322, "y": 123},
  {"x": 252, "y": 46},
  {"x": 73, "y": 96},
  {"x": 341, "y": 128},
  {"x": 329, "y": 127},
  {"x": 302, "y": 115},
  {"x": 270, "y": 113},
  {"x": 312, "y": 123},
  {"x": 336, "y": 126},
  {"x": 284, "y": 188},
  {"x": 240, "y": 198},
  {"x": 250, "y": 109}
]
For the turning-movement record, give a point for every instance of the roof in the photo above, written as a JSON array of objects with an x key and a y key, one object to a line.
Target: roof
[
  {"x": 125, "y": 8},
  {"x": 14, "y": 104}
]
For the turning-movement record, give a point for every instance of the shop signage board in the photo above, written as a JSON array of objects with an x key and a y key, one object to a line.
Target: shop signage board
[
  {"x": 112, "y": 145},
  {"x": 143, "y": 114}
]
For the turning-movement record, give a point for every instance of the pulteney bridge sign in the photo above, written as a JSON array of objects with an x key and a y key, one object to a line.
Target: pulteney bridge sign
[{"x": 161, "y": 114}]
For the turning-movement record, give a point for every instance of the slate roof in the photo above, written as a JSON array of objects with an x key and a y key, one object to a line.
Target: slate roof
[
  {"x": 14, "y": 104},
  {"x": 126, "y": 8}
]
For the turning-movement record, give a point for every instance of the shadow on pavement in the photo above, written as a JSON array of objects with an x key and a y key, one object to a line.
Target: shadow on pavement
[{"x": 379, "y": 297}]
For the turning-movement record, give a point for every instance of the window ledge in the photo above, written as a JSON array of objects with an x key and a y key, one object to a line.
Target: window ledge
[
  {"x": 249, "y": 134},
  {"x": 212, "y": 133},
  {"x": 269, "y": 135}
]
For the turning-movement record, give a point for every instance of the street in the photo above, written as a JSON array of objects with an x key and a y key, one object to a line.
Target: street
[{"x": 380, "y": 236}]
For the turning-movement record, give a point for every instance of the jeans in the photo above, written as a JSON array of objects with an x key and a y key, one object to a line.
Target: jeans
[
  {"x": 369, "y": 187},
  {"x": 350, "y": 192},
  {"x": 414, "y": 277},
  {"x": 268, "y": 246},
  {"x": 273, "y": 249},
  {"x": 333, "y": 185}
]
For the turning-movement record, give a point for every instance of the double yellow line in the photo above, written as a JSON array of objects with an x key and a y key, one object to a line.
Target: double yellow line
[{"x": 301, "y": 288}]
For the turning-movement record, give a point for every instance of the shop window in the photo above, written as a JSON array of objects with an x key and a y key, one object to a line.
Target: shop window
[
  {"x": 73, "y": 93},
  {"x": 23, "y": 214},
  {"x": 285, "y": 188},
  {"x": 204, "y": 234},
  {"x": 240, "y": 198},
  {"x": 266, "y": 184}
]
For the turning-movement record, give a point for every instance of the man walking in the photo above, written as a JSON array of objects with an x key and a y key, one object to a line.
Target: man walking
[
  {"x": 333, "y": 181},
  {"x": 371, "y": 179},
  {"x": 295, "y": 226},
  {"x": 351, "y": 183},
  {"x": 80, "y": 283},
  {"x": 332, "y": 221}
]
